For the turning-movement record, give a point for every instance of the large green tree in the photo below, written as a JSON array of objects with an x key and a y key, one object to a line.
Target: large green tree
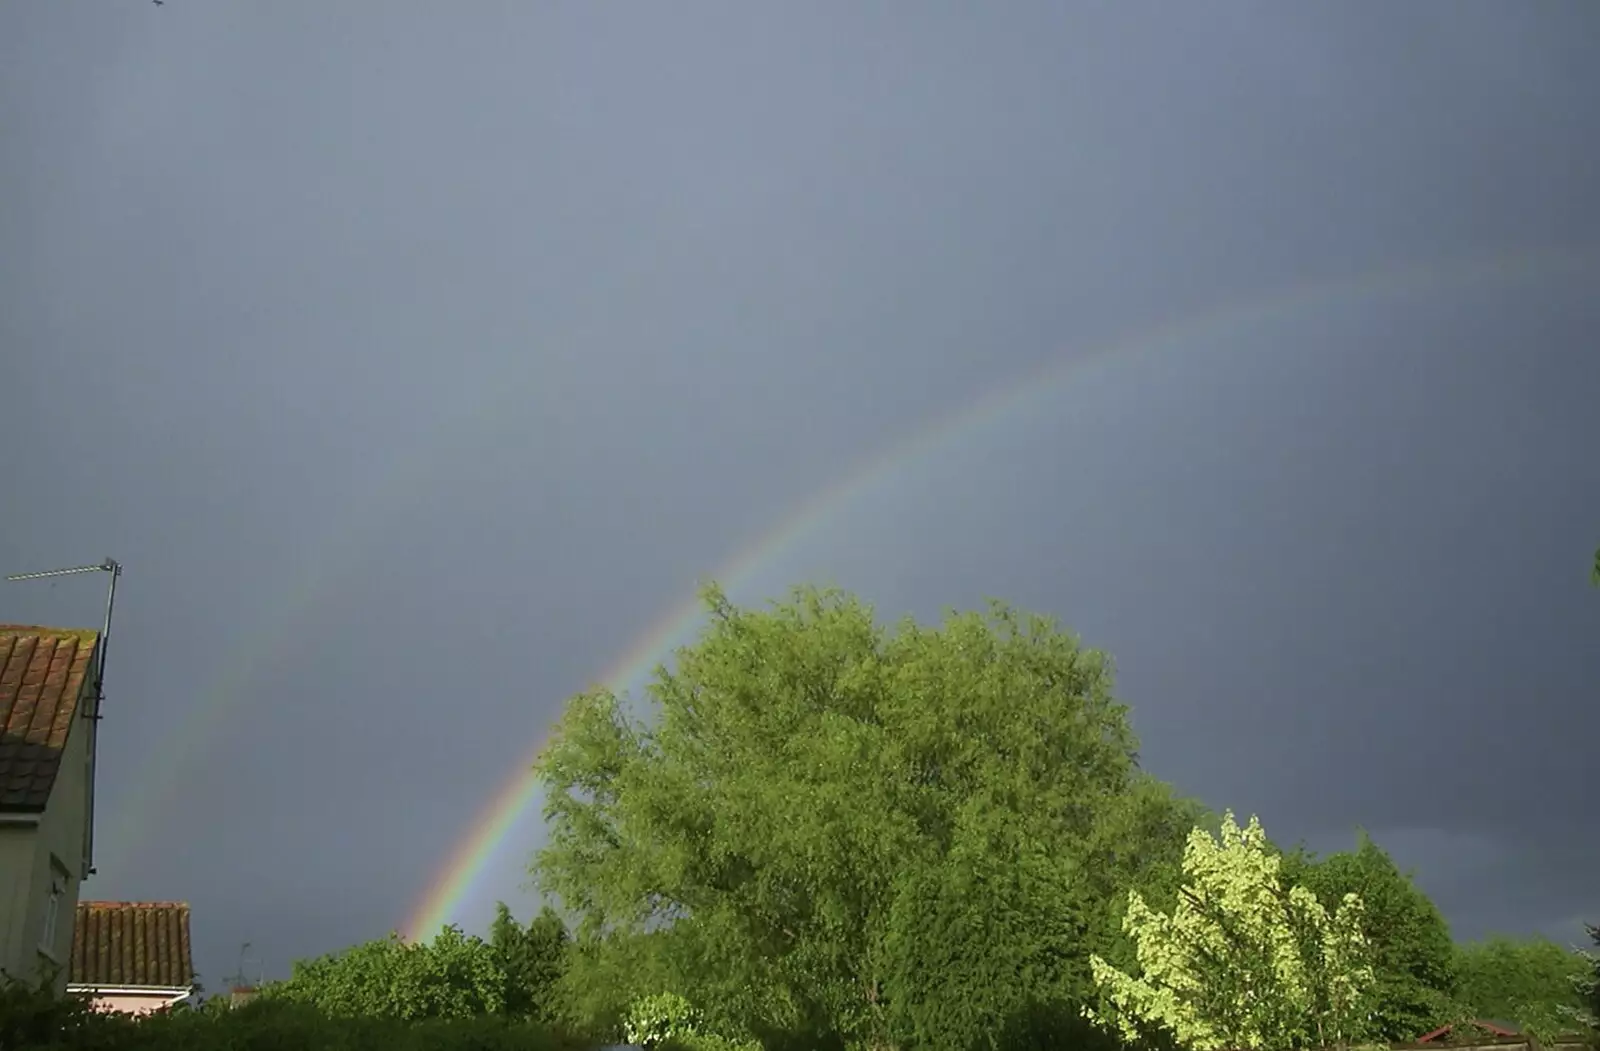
[
  {"x": 1413, "y": 955},
  {"x": 809, "y": 795},
  {"x": 1534, "y": 982}
]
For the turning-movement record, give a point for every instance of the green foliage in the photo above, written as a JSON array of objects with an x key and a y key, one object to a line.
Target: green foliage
[
  {"x": 1545, "y": 1024},
  {"x": 1138, "y": 844},
  {"x": 34, "y": 1015},
  {"x": 1533, "y": 982},
  {"x": 216, "y": 1004},
  {"x": 664, "y": 1016},
  {"x": 1413, "y": 956},
  {"x": 532, "y": 958},
  {"x": 1240, "y": 963},
  {"x": 810, "y": 786},
  {"x": 705, "y": 1042},
  {"x": 1587, "y": 986},
  {"x": 830, "y": 835},
  {"x": 279, "y": 1025},
  {"x": 604, "y": 977},
  {"x": 452, "y": 976},
  {"x": 981, "y": 938}
]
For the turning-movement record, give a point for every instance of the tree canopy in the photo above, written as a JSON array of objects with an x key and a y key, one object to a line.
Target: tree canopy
[
  {"x": 1587, "y": 985},
  {"x": 1534, "y": 982},
  {"x": 515, "y": 973},
  {"x": 815, "y": 830},
  {"x": 453, "y": 976},
  {"x": 532, "y": 958},
  {"x": 820, "y": 826},
  {"x": 1413, "y": 955}
]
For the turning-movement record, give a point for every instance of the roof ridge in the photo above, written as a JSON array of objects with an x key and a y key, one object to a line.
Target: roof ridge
[
  {"x": 98, "y": 904},
  {"x": 10, "y": 629}
]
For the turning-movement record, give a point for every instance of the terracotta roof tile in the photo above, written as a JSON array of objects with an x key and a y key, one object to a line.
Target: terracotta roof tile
[
  {"x": 42, "y": 672},
  {"x": 132, "y": 943}
]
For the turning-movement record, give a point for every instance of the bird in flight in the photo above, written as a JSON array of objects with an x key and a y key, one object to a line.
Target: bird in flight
[{"x": 158, "y": 3}]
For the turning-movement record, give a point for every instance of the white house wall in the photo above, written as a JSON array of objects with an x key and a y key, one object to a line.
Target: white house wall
[
  {"x": 25, "y": 855},
  {"x": 17, "y": 843}
]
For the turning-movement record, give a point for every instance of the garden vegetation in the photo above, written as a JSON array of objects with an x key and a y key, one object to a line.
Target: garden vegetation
[{"x": 814, "y": 831}]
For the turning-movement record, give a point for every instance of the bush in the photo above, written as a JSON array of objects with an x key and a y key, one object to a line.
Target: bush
[
  {"x": 1533, "y": 982},
  {"x": 453, "y": 976},
  {"x": 34, "y": 1016},
  {"x": 705, "y": 1042},
  {"x": 668, "y": 1022},
  {"x": 36, "y": 1019}
]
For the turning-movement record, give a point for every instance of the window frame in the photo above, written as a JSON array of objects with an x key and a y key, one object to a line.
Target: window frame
[{"x": 52, "y": 908}]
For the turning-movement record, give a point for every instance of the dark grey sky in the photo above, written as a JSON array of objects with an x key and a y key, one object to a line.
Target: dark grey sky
[{"x": 416, "y": 357}]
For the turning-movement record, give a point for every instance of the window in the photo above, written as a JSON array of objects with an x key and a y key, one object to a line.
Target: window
[{"x": 52, "y": 908}]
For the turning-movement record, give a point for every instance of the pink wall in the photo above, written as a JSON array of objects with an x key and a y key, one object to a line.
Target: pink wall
[{"x": 129, "y": 1003}]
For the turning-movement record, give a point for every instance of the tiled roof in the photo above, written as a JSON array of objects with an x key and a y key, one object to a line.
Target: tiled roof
[
  {"x": 41, "y": 677},
  {"x": 1493, "y": 1028},
  {"x": 132, "y": 943}
]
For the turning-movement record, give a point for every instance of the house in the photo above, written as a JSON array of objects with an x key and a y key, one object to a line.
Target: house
[
  {"x": 49, "y": 708},
  {"x": 1499, "y": 1030},
  {"x": 132, "y": 956}
]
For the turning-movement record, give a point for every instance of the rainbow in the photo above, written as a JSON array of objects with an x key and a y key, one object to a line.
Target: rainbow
[
  {"x": 453, "y": 884},
  {"x": 153, "y": 789}
]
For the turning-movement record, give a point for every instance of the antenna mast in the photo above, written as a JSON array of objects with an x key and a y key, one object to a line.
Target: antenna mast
[
  {"x": 237, "y": 979},
  {"x": 112, "y": 566}
]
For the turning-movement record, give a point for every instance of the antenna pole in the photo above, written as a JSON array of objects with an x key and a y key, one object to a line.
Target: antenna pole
[
  {"x": 113, "y": 567},
  {"x": 237, "y": 978}
]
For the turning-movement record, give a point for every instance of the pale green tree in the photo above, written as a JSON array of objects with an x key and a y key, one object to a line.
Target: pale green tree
[{"x": 1240, "y": 962}]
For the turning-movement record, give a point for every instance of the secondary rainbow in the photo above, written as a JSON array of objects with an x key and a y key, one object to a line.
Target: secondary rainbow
[{"x": 453, "y": 883}]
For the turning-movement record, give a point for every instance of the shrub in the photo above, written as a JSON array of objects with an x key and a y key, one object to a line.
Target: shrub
[
  {"x": 705, "y": 1042},
  {"x": 37, "y": 1019},
  {"x": 453, "y": 976},
  {"x": 33, "y": 1015}
]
